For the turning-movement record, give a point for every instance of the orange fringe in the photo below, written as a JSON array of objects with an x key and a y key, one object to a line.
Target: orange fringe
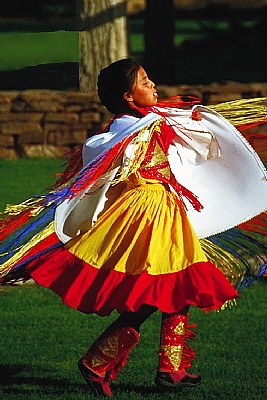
[{"x": 257, "y": 224}]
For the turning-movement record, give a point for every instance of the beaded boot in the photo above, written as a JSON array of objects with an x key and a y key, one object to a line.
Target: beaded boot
[
  {"x": 175, "y": 355},
  {"x": 106, "y": 357}
]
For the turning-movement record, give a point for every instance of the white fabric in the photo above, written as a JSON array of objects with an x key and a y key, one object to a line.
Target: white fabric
[
  {"x": 71, "y": 214},
  {"x": 232, "y": 187},
  {"x": 119, "y": 130},
  {"x": 193, "y": 134},
  {"x": 214, "y": 161}
]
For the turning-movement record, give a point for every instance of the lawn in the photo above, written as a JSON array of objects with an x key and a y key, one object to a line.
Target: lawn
[
  {"x": 42, "y": 339},
  {"x": 21, "y": 179},
  {"x": 22, "y": 49},
  {"x": 50, "y": 59}
]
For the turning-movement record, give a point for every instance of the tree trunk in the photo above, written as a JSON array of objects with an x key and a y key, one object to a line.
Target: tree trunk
[
  {"x": 159, "y": 40},
  {"x": 104, "y": 39}
]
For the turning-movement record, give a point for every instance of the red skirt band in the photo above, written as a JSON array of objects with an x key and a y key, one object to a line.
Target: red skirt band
[{"x": 92, "y": 290}]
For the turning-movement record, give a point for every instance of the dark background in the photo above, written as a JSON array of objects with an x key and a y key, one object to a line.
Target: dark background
[{"x": 236, "y": 53}]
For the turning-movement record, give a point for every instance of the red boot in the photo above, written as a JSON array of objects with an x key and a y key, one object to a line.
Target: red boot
[
  {"x": 175, "y": 355},
  {"x": 106, "y": 357},
  {"x": 98, "y": 384}
]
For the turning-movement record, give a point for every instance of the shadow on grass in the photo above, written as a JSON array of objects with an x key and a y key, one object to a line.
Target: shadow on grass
[
  {"x": 145, "y": 390},
  {"x": 9, "y": 377},
  {"x": 9, "y": 380}
]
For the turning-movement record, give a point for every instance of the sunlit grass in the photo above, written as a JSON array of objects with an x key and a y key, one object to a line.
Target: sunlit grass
[
  {"x": 21, "y": 179},
  {"x": 41, "y": 339},
  {"x": 20, "y": 49}
]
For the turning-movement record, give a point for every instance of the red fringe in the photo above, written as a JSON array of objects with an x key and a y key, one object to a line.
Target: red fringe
[
  {"x": 179, "y": 101},
  {"x": 251, "y": 125},
  {"x": 111, "y": 157},
  {"x": 13, "y": 222},
  {"x": 257, "y": 224},
  {"x": 44, "y": 244},
  {"x": 184, "y": 192},
  {"x": 259, "y": 142},
  {"x": 75, "y": 162},
  {"x": 74, "y": 165}
]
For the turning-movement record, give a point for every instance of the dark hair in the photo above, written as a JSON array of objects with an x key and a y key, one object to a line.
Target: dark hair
[{"x": 115, "y": 80}]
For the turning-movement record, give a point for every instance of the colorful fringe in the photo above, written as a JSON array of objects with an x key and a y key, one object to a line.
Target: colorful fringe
[
  {"x": 25, "y": 224},
  {"x": 244, "y": 113},
  {"x": 27, "y": 231},
  {"x": 241, "y": 252}
]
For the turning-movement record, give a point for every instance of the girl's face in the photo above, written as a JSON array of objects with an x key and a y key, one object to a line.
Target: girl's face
[{"x": 143, "y": 92}]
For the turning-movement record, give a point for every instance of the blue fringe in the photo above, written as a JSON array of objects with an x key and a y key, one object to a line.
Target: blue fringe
[
  {"x": 25, "y": 233},
  {"x": 37, "y": 255},
  {"x": 248, "y": 280}
]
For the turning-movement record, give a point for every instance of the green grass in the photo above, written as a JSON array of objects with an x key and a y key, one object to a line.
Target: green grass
[
  {"x": 42, "y": 339},
  {"x": 20, "y": 49},
  {"x": 21, "y": 179},
  {"x": 235, "y": 57}
]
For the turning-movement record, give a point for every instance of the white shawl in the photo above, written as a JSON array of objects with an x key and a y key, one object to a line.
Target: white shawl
[{"x": 213, "y": 160}]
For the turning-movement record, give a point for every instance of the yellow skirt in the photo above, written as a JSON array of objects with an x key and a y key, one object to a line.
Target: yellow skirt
[
  {"x": 146, "y": 228},
  {"x": 141, "y": 250}
]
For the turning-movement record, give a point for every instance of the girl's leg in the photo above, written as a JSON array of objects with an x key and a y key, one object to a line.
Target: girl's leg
[
  {"x": 108, "y": 354},
  {"x": 135, "y": 319},
  {"x": 175, "y": 355}
]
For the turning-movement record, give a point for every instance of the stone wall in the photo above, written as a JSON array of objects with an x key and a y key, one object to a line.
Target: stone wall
[{"x": 44, "y": 123}]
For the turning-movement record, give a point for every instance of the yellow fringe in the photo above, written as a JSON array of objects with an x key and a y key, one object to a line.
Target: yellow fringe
[
  {"x": 227, "y": 305},
  {"x": 8, "y": 265},
  {"x": 16, "y": 209},
  {"x": 230, "y": 266},
  {"x": 244, "y": 111}
]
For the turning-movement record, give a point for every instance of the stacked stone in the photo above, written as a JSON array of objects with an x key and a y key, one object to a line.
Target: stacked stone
[
  {"x": 46, "y": 123},
  {"x": 217, "y": 92}
]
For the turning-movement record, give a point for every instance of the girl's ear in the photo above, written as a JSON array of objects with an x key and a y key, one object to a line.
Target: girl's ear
[{"x": 128, "y": 97}]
